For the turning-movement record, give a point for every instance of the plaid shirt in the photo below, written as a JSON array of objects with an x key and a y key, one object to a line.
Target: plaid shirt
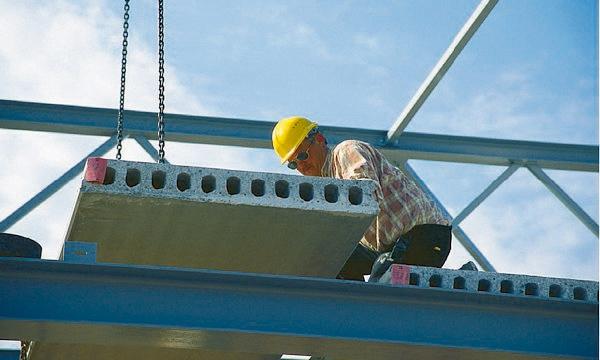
[{"x": 402, "y": 203}]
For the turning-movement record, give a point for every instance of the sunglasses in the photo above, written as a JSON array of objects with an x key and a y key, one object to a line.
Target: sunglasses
[{"x": 302, "y": 156}]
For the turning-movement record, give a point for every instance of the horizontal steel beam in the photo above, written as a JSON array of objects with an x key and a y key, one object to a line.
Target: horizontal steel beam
[
  {"x": 182, "y": 308},
  {"x": 257, "y": 134}
]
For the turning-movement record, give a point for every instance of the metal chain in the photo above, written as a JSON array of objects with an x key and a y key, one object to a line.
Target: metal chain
[
  {"x": 123, "y": 70},
  {"x": 161, "y": 84}
]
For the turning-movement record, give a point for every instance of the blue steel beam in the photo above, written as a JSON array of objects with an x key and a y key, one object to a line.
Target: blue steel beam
[
  {"x": 487, "y": 192},
  {"x": 116, "y": 305},
  {"x": 257, "y": 134},
  {"x": 461, "y": 39},
  {"x": 564, "y": 198},
  {"x": 456, "y": 230},
  {"x": 54, "y": 186},
  {"x": 9, "y": 354}
]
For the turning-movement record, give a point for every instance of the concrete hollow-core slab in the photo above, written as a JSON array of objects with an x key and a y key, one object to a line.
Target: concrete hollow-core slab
[
  {"x": 162, "y": 214},
  {"x": 166, "y": 215}
]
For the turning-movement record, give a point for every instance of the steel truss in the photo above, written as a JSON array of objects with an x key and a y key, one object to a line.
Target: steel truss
[
  {"x": 399, "y": 146},
  {"x": 135, "y": 305},
  {"x": 249, "y": 133}
]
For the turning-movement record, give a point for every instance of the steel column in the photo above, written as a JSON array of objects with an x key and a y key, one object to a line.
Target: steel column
[
  {"x": 487, "y": 192},
  {"x": 439, "y": 70},
  {"x": 176, "y": 308},
  {"x": 564, "y": 198},
  {"x": 257, "y": 134},
  {"x": 54, "y": 186},
  {"x": 456, "y": 230}
]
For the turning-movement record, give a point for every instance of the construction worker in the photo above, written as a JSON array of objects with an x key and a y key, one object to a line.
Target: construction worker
[{"x": 409, "y": 228}]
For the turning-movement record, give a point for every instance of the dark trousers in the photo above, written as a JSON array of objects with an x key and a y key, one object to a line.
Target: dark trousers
[{"x": 423, "y": 245}]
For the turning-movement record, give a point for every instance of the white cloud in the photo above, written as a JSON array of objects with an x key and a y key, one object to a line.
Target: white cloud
[
  {"x": 510, "y": 106},
  {"x": 69, "y": 52},
  {"x": 521, "y": 228},
  {"x": 286, "y": 30},
  {"x": 376, "y": 101},
  {"x": 493, "y": 112},
  {"x": 302, "y": 36},
  {"x": 368, "y": 42},
  {"x": 526, "y": 230},
  {"x": 535, "y": 237},
  {"x": 62, "y": 52},
  {"x": 377, "y": 70}
]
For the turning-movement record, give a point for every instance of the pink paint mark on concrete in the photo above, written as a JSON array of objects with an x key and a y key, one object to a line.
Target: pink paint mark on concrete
[
  {"x": 400, "y": 274},
  {"x": 95, "y": 169}
]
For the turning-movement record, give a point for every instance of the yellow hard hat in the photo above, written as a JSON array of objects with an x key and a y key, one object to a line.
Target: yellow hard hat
[{"x": 289, "y": 133}]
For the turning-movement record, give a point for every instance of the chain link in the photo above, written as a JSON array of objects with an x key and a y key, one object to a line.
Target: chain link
[
  {"x": 123, "y": 70},
  {"x": 161, "y": 84}
]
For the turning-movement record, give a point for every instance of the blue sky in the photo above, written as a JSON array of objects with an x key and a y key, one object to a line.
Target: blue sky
[
  {"x": 530, "y": 72},
  {"x": 358, "y": 63}
]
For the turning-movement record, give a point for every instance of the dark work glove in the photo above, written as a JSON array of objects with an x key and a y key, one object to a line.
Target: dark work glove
[
  {"x": 385, "y": 260},
  {"x": 423, "y": 245}
]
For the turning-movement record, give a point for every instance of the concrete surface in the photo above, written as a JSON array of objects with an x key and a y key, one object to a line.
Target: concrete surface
[
  {"x": 499, "y": 283},
  {"x": 161, "y": 214}
]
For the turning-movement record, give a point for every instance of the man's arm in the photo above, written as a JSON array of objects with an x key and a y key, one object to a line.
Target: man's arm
[{"x": 357, "y": 160}]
